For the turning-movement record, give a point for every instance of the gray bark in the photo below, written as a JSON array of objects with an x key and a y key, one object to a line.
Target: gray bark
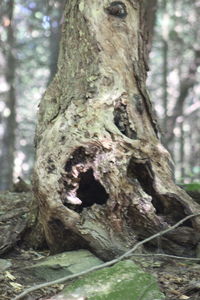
[{"x": 102, "y": 178}]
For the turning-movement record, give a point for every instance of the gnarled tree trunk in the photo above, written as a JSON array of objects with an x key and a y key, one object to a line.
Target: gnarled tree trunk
[{"x": 102, "y": 178}]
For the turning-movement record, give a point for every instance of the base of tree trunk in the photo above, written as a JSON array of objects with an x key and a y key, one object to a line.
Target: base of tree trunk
[{"x": 106, "y": 200}]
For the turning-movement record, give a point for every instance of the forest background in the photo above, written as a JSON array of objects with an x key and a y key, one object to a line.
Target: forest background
[{"x": 29, "y": 46}]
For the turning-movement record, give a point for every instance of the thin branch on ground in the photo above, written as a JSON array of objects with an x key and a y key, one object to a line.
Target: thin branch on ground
[
  {"x": 163, "y": 255},
  {"x": 106, "y": 264}
]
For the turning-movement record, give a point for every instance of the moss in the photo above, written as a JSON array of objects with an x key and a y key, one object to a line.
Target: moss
[{"x": 124, "y": 280}]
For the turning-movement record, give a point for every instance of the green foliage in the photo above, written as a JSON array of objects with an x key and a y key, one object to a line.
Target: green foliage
[{"x": 192, "y": 187}]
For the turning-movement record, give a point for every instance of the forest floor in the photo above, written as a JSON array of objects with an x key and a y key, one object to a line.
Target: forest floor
[
  {"x": 12, "y": 281},
  {"x": 177, "y": 279}
]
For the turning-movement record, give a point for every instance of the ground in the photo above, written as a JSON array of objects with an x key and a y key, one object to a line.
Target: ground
[{"x": 177, "y": 279}]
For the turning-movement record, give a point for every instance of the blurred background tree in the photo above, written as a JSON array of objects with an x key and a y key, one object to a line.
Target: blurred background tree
[
  {"x": 29, "y": 41},
  {"x": 174, "y": 82},
  {"x": 8, "y": 93}
]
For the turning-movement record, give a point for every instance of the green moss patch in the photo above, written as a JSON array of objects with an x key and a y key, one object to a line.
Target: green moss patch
[{"x": 125, "y": 280}]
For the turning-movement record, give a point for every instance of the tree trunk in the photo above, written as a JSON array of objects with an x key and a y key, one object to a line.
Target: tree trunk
[
  {"x": 182, "y": 149},
  {"x": 54, "y": 38},
  {"x": 9, "y": 120},
  {"x": 149, "y": 18},
  {"x": 102, "y": 178}
]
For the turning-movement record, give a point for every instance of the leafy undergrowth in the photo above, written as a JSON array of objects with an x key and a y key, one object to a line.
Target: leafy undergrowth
[{"x": 177, "y": 279}]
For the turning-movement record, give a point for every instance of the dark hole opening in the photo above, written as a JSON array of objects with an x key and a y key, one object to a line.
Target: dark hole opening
[
  {"x": 90, "y": 190},
  {"x": 142, "y": 173},
  {"x": 117, "y": 9},
  {"x": 78, "y": 156},
  {"x": 70, "y": 240},
  {"x": 122, "y": 122},
  {"x": 174, "y": 211}
]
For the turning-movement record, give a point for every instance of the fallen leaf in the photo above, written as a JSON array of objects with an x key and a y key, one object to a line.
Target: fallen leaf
[
  {"x": 184, "y": 297},
  {"x": 17, "y": 286},
  {"x": 9, "y": 276}
]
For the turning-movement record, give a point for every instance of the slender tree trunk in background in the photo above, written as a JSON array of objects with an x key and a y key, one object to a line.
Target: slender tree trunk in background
[
  {"x": 54, "y": 39},
  {"x": 197, "y": 146},
  {"x": 54, "y": 49},
  {"x": 187, "y": 82},
  {"x": 182, "y": 149},
  {"x": 149, "y": 17},
  {"x": 102, "y": 178},
  {"x": 165, "y": 85},
  {"x": 9, "y": 121},
  {"x": 165, "y": 33},
  {"x": 193, "y": 157}
]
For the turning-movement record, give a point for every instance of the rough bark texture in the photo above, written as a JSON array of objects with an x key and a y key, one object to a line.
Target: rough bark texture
[
  {"x": 19, "y": 220},
  {"x": 102, "y": 178}
]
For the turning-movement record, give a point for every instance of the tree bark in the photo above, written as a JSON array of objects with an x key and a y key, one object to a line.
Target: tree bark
[
  {"x": 54, "y": 38},
  {"x": 149, "y": 17},
  {"x": 9, "y": 121},
  {"x": 102, "y": 178}
]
